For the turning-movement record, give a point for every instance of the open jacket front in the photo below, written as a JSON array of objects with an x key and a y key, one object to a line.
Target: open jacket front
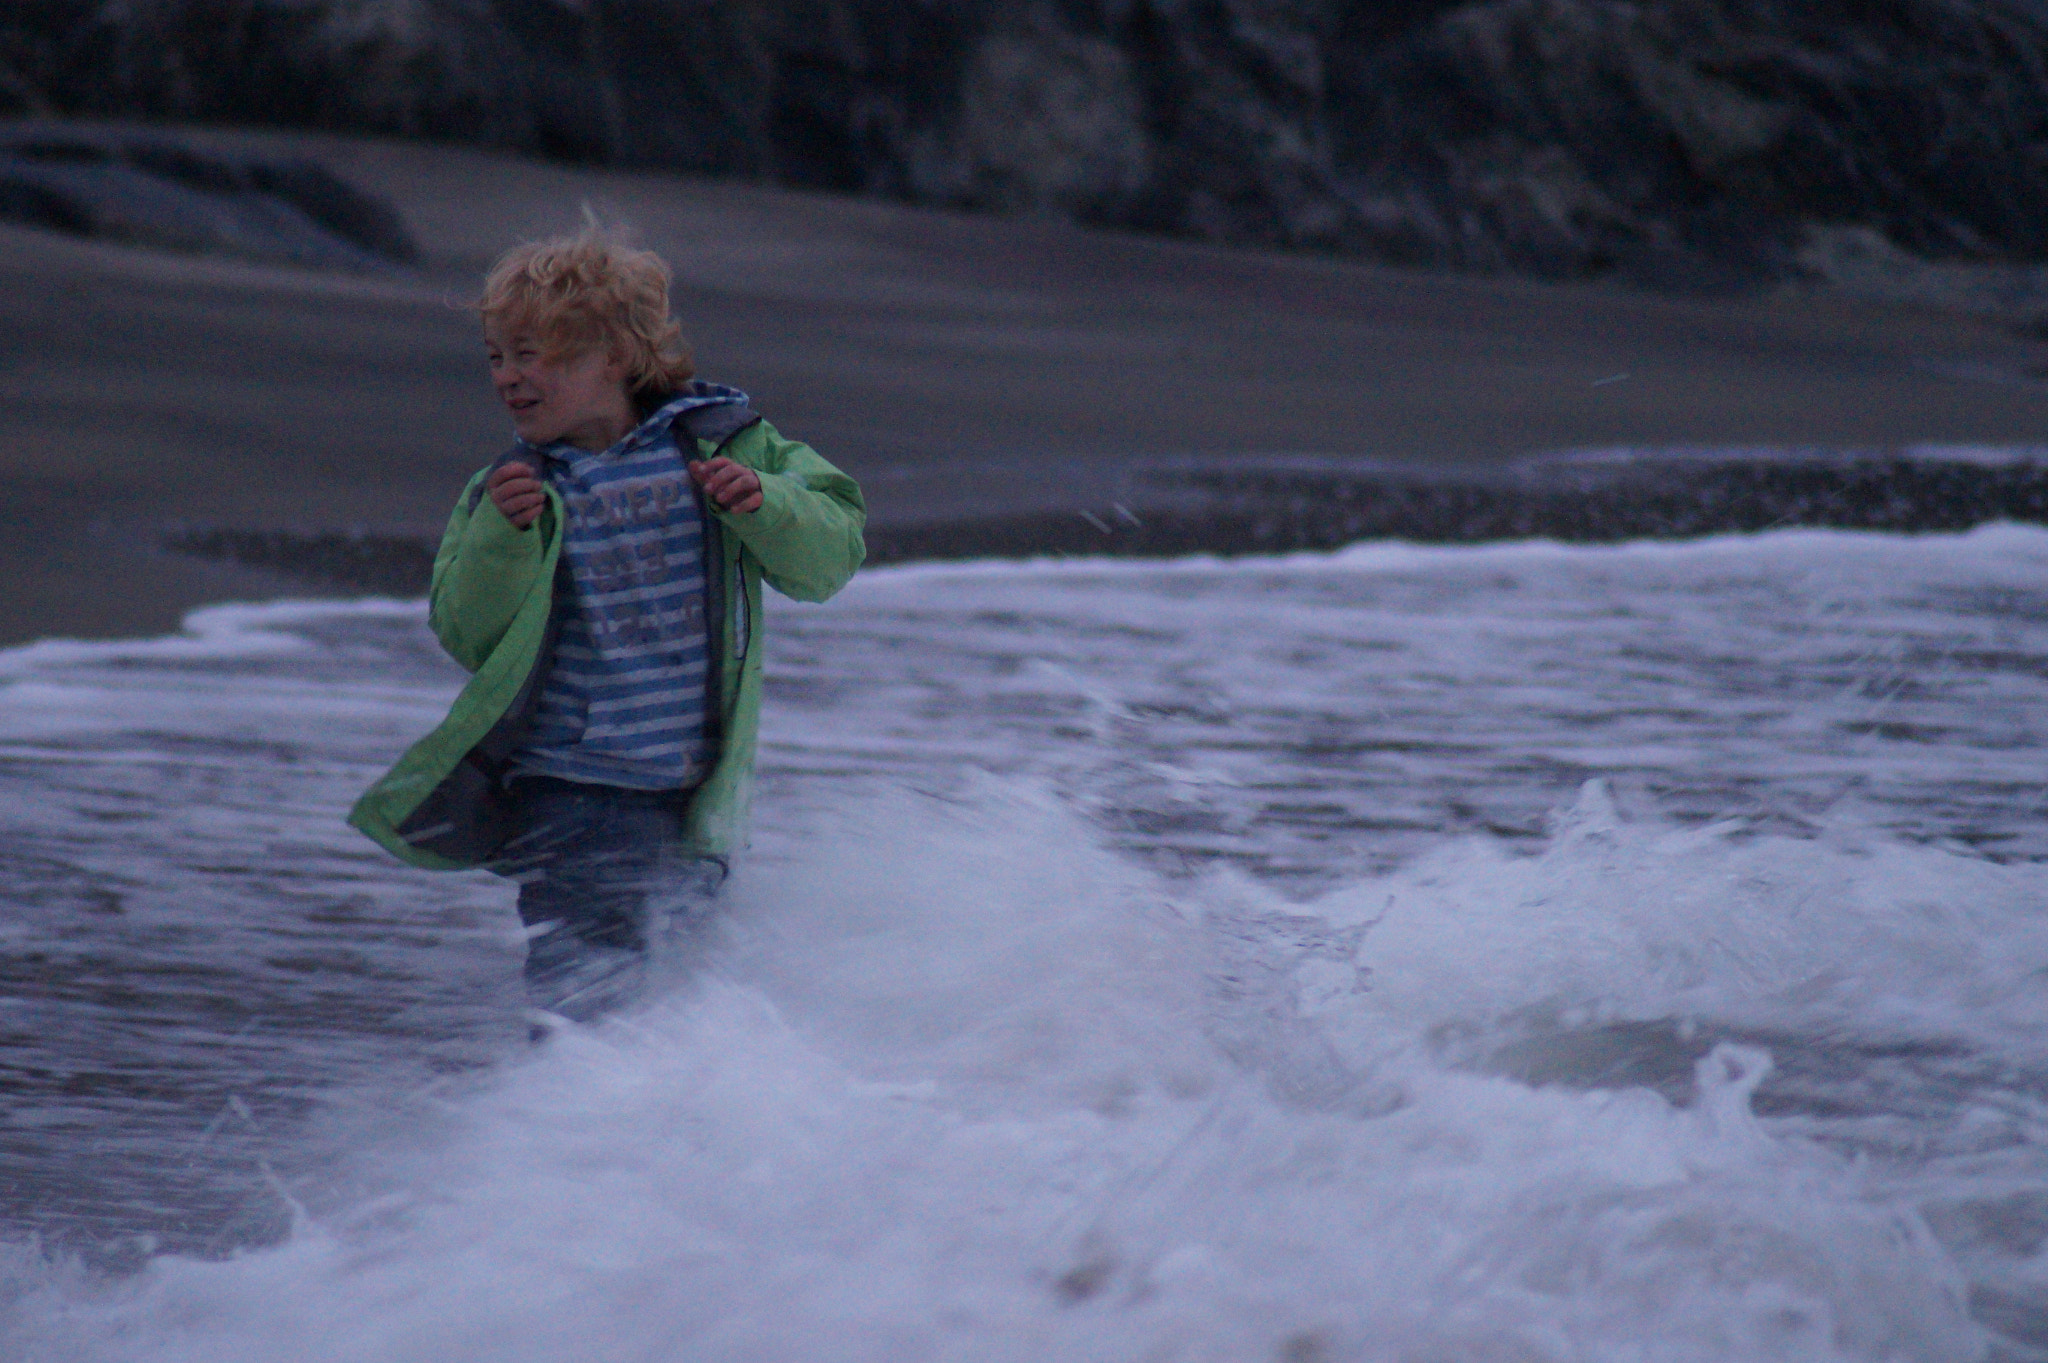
[{"x": 492, "y": 606}]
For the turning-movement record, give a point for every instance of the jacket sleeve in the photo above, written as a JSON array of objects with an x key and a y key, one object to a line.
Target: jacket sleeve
[
  {"x": 481, "y": 574},
  {"x": 807, "y": 530}
]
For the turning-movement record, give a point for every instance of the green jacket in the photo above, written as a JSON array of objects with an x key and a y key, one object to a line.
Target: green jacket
[{"x": 442, "y": 806}]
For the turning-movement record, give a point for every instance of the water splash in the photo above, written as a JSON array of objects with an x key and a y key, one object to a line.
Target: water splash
[{"x": 1059, "y": 1016}]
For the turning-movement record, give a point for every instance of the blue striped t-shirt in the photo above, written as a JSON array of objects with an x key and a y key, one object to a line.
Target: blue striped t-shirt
[{"x": 624, "y": 702}]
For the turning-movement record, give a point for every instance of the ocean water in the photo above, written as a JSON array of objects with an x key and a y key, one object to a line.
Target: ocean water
[{"x": 1514, "y": 953}]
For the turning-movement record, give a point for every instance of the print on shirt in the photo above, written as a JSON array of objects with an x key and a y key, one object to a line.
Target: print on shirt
[{"x": 624, "y": 701}]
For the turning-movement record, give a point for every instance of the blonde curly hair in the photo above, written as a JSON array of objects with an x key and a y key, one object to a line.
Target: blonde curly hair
[{"x": 589, "y": 291}]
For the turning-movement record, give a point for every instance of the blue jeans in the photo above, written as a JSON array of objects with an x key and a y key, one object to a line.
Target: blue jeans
[{"x": 609, "y": 898}]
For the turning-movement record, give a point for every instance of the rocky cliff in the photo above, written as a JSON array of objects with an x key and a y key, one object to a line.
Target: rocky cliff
[{"x": 1683, "y": 143}]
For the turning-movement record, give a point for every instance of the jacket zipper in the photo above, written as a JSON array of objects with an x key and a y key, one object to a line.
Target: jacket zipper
[{"x": 740, "y": 622}]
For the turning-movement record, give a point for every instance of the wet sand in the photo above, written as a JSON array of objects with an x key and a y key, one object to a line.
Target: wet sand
[{"x": 957, "y": 365}]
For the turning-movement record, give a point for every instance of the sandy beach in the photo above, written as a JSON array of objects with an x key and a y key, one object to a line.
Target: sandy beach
[{"x": 957, "y": 365}]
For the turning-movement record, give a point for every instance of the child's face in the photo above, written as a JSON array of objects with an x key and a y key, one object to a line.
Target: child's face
[{"x": 579, "y": 397}]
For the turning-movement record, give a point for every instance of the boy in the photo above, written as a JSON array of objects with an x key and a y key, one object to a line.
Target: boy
[{"x": 602, "y": 583}]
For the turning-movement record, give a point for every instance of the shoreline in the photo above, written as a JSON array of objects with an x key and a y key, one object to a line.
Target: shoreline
[
  {"x": 968, "y": 371},
  {"x": 1305, "y": 507}
]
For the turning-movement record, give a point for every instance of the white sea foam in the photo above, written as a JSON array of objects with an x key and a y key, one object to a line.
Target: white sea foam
[
  {"x": 967, "y": 1085},
  {"x": 212, "y": 633},
  {"x": 1084, "y": 997}
]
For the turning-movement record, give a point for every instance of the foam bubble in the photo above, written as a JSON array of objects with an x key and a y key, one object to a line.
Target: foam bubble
[
  {"x": 1137, "y": 961},
  {"x": 966, "y": 1084}
]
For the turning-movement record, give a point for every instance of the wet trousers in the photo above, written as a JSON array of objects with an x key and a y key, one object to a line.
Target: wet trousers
[{"x": 610, "y": 901}]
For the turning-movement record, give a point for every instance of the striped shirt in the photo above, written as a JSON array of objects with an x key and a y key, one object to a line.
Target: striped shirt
[{"x": 624, "y": 700}]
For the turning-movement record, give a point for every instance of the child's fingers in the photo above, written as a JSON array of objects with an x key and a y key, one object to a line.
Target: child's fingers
[
  {"x": 735, "y": 487},
  {"x": 731, "y": 484},
  {"x": 518, "y": 507}
]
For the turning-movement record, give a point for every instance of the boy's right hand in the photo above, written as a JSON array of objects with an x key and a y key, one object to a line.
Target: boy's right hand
[{"x": 516, "y": 493}]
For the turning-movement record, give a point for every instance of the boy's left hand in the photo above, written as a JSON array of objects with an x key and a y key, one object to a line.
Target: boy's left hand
[{"x": 735, "y": 487}]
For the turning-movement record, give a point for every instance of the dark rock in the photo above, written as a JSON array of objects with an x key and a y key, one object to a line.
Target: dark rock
[
  {"x": 24, "y": 200},
  {"x": 396, "y": 565},
  {"x": 1278, "y": 509},
  {"x": 1680, "y": 144},
  {"x": 1571, "y": 136},
  {"x": 154, "y": 191},
  {"x": 360, "y": 219}
]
